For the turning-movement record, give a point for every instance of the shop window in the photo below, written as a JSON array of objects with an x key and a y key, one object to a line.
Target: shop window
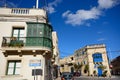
[{"x": 13, "y": 67}]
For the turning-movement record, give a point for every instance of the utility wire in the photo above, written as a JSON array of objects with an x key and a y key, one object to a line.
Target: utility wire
[
  {"x": 65, "y": 54},
  {"x": 19, "y": 3},
  {"x": 114, "y": 51}
]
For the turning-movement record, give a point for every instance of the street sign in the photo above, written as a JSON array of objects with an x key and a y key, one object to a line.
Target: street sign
[
  {"x": 35, "y": 62},
  {"x": 36, "y": 72}
]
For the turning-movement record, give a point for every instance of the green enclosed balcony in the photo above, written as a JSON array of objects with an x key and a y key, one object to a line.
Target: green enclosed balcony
[
  {"x": 26, "y": 42},
  {"x": 38, "y": 39}
]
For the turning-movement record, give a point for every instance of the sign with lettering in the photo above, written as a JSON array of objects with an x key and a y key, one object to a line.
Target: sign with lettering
[
  {"x": 35, "y": 62},
  {"x": 36, "y": 72}
]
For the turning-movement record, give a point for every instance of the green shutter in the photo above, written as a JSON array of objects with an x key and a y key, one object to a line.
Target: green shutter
[
  {"x": 34, "y": 34},
  {"x": 39, "y": 34}
]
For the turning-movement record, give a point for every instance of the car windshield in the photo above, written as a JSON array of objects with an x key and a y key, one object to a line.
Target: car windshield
[{"x": 70, "y": 75}]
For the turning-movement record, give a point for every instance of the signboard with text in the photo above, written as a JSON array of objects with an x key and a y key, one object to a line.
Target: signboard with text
[{"x": 35, "y": 63}]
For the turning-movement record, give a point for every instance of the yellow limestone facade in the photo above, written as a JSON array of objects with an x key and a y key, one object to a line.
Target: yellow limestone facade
[{"x": 23, "y": 55}]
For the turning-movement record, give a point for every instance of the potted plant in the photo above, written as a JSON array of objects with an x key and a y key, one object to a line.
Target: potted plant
[{"x": 95, "y": 73}]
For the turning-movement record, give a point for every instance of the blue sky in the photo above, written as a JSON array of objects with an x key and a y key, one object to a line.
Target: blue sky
[{"x": 82, "y": 22}]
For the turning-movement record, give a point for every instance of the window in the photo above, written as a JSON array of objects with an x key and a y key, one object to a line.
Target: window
[
  {"x": 84, "y": 62},
  {"x": 13, "y": 67},
  {"x": 97, "y": 57},
  {"x": 71, "y": 58},
  {"x": 18, "y": 32}
]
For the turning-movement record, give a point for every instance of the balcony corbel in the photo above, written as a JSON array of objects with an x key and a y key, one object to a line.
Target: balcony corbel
[
  {"x": 5, "y": 54},
  {"x": 44, "y": 54},
  {"x": 34, "y": 53},
  {"x": 20, "y": 53}
]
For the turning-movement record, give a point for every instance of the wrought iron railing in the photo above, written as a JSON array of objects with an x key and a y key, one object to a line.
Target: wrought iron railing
[{"x": 26, "y": 41}]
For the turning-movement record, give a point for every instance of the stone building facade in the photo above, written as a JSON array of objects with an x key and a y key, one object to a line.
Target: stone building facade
[
  {"x": 26, "y": 46},
  {"x": 93, "y": 59}
]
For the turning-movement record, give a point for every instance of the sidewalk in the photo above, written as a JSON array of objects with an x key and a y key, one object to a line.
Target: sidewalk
[{"x": 114, "y": 76}]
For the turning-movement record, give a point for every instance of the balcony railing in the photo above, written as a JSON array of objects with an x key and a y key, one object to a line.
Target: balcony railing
[
  {"x": 26, "y": 42},
  {"x": 20, "y": 11}
]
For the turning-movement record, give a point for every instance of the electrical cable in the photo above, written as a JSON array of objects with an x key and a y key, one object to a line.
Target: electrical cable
[{"x": 19, "y": 3}]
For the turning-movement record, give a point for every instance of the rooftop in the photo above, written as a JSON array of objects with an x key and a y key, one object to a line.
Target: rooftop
[
  {"x": 23, "y": 14},
  {"x": 95, "y": 46}
]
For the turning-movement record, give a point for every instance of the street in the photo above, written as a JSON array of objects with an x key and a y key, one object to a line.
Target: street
[{"x": 96, "y": 78}]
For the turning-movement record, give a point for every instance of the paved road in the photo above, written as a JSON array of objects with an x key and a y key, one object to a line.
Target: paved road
[{"x": 96, "y": 78}]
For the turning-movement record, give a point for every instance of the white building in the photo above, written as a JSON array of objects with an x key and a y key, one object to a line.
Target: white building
[
  {"x": 55, "y": 58},
  {"x": 26, "y": 44}
]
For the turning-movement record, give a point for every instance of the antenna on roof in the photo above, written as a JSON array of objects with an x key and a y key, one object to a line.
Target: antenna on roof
[
  {"x": 5, "y": 3},
  {"x": 46, "y": 9},
  {"x": 37, "y": 1}
]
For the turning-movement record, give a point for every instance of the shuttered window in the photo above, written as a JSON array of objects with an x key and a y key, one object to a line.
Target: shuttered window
[{"x": 97, "y": 57}]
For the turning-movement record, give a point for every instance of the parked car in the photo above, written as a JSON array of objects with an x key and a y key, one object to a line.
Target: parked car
[
  {"x": 77, "y": 74},
  {"x": 66, "y": 76}
]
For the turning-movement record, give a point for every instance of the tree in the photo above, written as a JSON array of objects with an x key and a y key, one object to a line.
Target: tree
[
  {"x": 78, "y": 67},
  {"x": 86, "y": 69},
  {"x": 102, "y": 67},
  {"x": 75, "y": 67},
  {"x": 95, "y": 73},
  {"x": 104, "y": 73}
]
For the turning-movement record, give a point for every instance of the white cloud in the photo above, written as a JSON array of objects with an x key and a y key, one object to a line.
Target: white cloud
[
  {"x": 52, "y": 5},
  {"x": 82, "y": 16},
  {"x": 101, "y": 39},
  {"x": 51, "y": 9},
  {"x": 88, "y": 24},
  {"x": 99, "y": 32},
  {"x": 106, "y": 4}
]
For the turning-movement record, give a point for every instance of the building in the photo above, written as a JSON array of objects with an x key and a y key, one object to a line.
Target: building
[
  {"x": 55, "y": 58},
  {"x": 115, "y": 66},
  {"x": 91, "y": 60},
  {"x": 80, "y": 57},
  {"x": 94, "y": 60},
  {"x": 67, "y": 64},
  {"x": 26, "y": 47}
]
